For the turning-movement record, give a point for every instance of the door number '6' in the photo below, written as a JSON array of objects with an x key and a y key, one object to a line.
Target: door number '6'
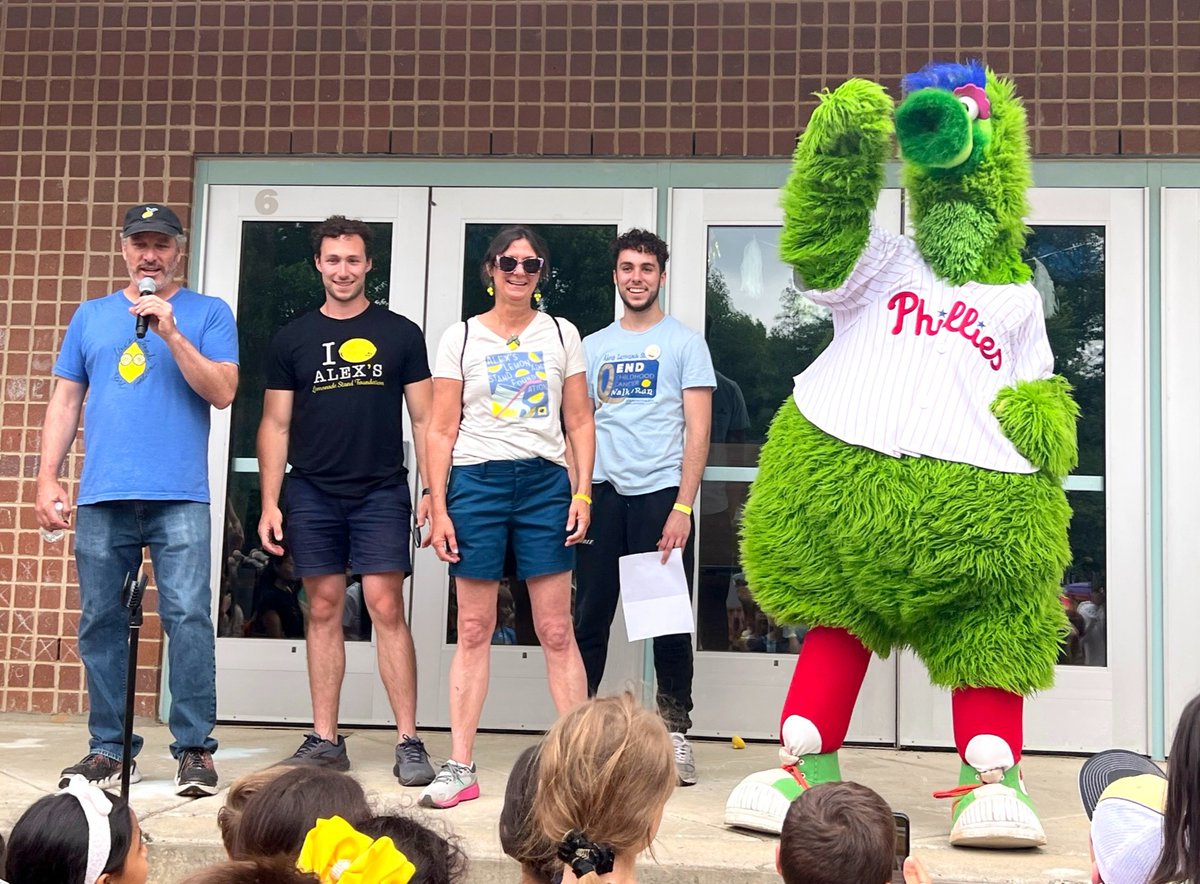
[{"x": 266, "y": 202}]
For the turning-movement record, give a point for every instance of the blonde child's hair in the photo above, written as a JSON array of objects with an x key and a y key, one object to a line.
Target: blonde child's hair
[{"x": 606, "y": 770}]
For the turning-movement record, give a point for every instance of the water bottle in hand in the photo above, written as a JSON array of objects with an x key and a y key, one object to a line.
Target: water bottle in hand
[{"x": 54, "y": 535}]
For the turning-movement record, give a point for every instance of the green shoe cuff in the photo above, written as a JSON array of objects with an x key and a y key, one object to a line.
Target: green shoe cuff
[{"x": 820, "y": 767}]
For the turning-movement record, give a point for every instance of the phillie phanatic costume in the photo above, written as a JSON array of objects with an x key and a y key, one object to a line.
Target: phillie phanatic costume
[{"x": 909, "y": 493}]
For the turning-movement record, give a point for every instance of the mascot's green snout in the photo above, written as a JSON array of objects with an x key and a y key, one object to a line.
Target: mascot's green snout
[
  {"x": 909, "y": 493},
  {"x": 943, "y": 129}
]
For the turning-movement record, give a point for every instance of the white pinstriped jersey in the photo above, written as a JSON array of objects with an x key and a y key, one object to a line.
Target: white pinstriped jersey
[{"x": 915, "y": 361}]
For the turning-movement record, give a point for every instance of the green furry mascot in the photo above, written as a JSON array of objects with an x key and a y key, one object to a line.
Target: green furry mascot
[{"x": 909, "y": 493}]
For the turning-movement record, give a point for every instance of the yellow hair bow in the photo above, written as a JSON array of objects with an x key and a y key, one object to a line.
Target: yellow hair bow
[{"x": 336, "y": 852}]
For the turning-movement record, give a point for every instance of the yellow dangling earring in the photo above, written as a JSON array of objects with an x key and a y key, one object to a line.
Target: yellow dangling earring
[
  {"x": 491, "y": 292},
  {"x": 537, "y": 296}
]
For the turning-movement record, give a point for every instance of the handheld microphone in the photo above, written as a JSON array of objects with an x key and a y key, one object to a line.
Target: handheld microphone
[{"x": 146, "y": 287}]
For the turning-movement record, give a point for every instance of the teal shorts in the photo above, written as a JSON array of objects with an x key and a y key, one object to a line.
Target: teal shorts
[{"x": 522, "y": 503}]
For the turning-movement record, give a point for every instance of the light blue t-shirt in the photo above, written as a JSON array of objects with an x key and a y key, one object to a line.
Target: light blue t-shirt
[
  {"x": 145, "y": 431},
  {"x": 636, "y": 381}
]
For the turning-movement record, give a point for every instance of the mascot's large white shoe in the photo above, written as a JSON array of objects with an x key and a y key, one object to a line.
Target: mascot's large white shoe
[
  {"x": 761, "y": 800},
  {"x": 992, "y": 808}
]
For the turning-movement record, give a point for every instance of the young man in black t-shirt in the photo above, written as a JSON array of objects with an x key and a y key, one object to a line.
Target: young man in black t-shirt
[{"x": 336, "y": 379}]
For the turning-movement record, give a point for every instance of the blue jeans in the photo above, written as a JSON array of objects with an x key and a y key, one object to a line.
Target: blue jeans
[{"x": 109, "y": 538}]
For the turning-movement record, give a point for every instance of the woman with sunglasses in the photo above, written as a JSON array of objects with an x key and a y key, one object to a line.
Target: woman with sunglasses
[{"x": 506, "y": 384}]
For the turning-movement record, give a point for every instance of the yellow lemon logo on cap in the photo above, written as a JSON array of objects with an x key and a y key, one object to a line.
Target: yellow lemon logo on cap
[
  {"x": 132, "y": 364},
  {"x": 356, "y": 350},
  {"x": 149, "y": 211}
]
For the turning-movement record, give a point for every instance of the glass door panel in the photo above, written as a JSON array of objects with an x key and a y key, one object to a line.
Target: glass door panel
[
  {"x": 257, "y": 247},
  {"x": 761, "y": 332},
  {"x": 578, "y": 226},
  {"x": 1086, "y": 251}
]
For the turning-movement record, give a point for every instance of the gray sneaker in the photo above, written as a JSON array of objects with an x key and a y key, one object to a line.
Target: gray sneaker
[
  {"x": 315, "y": 750},
  {"x": 685, "y": 761},
  {"x": 412, "y": 766},
  {"x": 454, "y": 783}
]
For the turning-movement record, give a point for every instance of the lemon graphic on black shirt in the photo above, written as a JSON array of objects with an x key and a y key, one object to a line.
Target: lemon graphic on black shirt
[{"x": 357, "y": 350}]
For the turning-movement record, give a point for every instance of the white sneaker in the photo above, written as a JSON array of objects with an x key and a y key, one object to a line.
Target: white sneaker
[
  {"x": 454, "y": 783},
  {"x": 685, "y": 761}
]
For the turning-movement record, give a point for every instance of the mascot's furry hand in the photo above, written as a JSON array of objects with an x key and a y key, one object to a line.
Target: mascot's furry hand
[
  {"x": 855, "y": 118},
  {"x": 837, "y": 173},
  {"x": 1039, "y": 417}
]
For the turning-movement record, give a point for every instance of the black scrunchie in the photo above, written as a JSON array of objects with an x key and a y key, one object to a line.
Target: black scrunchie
[{"x": 584, "y": 856}]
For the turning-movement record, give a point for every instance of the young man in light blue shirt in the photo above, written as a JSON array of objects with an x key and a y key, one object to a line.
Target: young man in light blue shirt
[{"x": 651, "y": 381}]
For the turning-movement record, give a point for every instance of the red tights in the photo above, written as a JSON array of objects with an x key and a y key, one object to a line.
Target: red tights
[{"x": 829, "y": 674}]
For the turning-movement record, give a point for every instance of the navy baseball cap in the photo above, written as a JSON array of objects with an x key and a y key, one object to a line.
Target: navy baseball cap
[
  {"x": 151, "y": 217},
  {"x": 1105, "y": 768}
]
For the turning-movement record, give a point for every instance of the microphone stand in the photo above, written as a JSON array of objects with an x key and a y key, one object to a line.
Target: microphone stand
[{"x": 131, "y": 597}]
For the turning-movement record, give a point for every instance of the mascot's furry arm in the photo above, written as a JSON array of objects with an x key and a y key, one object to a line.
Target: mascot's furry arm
[
  {"x": 837, "y": 173},
  {"x": 1039, "y": 417}
]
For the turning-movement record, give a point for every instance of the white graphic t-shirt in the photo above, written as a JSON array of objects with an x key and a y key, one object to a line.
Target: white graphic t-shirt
[
  {"x": 916, "y": 362},
  {"x": 512, "y": 393}
]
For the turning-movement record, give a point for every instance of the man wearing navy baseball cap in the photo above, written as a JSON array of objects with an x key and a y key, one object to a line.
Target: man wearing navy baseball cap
[
  {"x": 151, "y": 218},
  {"x": 143, "y": 366}
]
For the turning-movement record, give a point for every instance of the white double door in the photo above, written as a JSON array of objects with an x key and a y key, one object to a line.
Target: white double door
[{"x": 435, "y": 239}]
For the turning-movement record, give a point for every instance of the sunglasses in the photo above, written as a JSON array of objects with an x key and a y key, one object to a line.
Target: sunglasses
[{"x": 507, "y": 264}]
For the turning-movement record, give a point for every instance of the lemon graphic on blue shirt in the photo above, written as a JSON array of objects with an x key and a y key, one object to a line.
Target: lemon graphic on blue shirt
[
  {"x": 132, "y": 364},
  {"x": 357, "y": 350}
]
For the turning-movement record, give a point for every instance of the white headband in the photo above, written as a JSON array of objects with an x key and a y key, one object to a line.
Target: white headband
[{"x": 96, "y": 808}]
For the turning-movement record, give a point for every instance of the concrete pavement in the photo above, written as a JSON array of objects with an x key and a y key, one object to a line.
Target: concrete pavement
[{"x": 692, "y": 845}]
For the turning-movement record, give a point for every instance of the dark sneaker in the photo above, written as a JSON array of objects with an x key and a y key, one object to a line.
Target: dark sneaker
[
  {"x": 412, "y": 766},
  {"x": 99, "y": 770},
  {"x": 197, "y": 776},
  {"x": 315, "y": 750}
]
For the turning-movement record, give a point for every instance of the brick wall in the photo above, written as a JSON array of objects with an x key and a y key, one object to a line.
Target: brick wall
[{"x": 103, "y": 104}]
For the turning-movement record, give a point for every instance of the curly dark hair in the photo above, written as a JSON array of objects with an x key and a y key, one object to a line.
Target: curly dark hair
[
  {"x": 339, "y": 225},
  {"x": 641, "y": 241},
  {"x": 438, "y": 857}
]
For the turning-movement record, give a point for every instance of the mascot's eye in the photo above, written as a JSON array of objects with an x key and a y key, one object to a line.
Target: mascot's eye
[{"x": 970, "y": 104}]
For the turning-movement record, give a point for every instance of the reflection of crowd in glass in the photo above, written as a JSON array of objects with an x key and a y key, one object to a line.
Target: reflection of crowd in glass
[{"x": 1086, "y": 643}]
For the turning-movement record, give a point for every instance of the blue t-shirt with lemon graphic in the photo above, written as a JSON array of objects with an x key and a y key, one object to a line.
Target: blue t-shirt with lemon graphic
[
  {"x": 145, "y": 430},
  {"x": 348, "y": 378}
]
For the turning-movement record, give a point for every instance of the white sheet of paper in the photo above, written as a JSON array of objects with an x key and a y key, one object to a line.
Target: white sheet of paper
[{"x": 654, "y": 596}]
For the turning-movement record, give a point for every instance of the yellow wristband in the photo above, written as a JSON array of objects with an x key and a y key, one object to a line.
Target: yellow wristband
[
  {"x": 683, "y": 508},
  {"x": 582, "y": 497}
]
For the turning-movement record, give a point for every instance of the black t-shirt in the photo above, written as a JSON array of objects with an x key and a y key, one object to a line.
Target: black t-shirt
[{"x": 348, "y": 377}]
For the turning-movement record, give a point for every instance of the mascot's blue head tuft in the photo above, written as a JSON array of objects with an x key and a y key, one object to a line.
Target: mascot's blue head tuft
[{"x": 945, "y": 75}]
